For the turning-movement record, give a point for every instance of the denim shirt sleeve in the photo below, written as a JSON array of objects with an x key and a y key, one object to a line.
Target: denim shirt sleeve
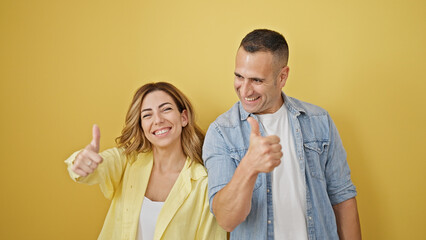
[
  {"x": 337, "y": 173},
  {"x": 217, "y": 160}
]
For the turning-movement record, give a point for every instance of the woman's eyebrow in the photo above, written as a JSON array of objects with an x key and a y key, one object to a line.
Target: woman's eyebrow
[
  {"x": 150, "y": 109},
  {"x": 161, "y": 105}
]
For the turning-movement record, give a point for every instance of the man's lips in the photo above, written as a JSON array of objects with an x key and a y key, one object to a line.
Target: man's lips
[{"x": 252, "y": 99}]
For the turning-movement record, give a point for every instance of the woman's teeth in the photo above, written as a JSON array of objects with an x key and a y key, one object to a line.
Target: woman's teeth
[{"x": 161, "y": 131}]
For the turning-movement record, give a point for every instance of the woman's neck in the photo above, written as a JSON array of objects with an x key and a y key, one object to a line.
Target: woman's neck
[{"x": 171, "y": 159}]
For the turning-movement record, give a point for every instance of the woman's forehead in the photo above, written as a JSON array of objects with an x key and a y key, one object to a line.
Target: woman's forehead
[{"x": 157, "y": 98}]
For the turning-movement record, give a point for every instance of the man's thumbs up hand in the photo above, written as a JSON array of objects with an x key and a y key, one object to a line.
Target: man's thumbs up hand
[
  {"x": 254, "y": 127},
  {"x": 264, "y": 153}
]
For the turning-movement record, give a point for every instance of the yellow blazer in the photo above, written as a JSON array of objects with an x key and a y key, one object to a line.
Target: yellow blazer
[{"x": 185, "y": 213}]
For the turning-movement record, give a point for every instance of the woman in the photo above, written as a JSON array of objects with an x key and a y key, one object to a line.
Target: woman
[{"x": 155, "y": 176}]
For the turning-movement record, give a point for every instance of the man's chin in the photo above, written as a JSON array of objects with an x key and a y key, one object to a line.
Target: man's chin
[{"x": 251, "y": 110}]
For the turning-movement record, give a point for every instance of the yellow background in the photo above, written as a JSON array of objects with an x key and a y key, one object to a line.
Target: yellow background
[{"x": 68, "y": 64}]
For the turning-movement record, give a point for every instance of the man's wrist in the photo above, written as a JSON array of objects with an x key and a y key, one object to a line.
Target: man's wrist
[{"x": 247, "y": 169}]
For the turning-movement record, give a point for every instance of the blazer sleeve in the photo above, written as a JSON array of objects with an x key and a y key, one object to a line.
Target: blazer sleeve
[
  {"x": 208, "y": 227},
  {"x": 108, "y": 174}
]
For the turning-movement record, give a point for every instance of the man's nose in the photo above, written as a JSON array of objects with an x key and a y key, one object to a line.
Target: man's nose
[{"x": 246, "y": 89}]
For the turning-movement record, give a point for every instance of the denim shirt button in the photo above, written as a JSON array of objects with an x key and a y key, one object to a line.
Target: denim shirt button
[
  {"x": 267, "y": 190},
  {"x": 310, "y": 218},
  {"x": 269, "y": 222}
]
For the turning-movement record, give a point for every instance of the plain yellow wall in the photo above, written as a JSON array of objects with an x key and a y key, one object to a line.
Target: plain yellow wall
[{"x": 68, "y": 64}]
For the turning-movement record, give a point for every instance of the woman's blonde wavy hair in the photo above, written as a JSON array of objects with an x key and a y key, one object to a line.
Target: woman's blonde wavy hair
[{"x": 132, "y": 137}]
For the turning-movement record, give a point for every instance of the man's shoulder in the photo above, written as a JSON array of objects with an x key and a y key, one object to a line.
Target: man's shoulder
[
  {"x": 314, "y": 120},
  {"x": 306, "y": 108},
  {"x": 230, "y": 118}
]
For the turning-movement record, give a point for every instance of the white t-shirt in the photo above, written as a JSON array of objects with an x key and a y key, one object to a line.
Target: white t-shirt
[
  {"x": 148, "y": 219},
  {"x": 288, "y": 185}
]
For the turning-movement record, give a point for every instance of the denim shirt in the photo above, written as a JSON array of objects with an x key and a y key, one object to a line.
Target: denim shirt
[{"x": 322, "y": 160}]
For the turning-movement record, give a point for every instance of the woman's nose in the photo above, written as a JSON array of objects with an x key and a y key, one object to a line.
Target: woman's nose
[{"x": 158, "y": 118}]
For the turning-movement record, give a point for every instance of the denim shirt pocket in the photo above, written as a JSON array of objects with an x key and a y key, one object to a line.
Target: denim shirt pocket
[
  {"x": 316, "y": 156},
  {"x": 237, "y": 155}
]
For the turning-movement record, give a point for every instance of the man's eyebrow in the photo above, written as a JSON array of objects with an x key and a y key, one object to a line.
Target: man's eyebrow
[
  {"x": 150, "y": 109},
  {"x": 253, "y": 79},
  {"x": 257, "y": 79}
]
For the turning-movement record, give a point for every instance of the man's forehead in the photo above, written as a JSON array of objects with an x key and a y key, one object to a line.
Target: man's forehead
[
  {"x": 261, "y": 54},
  {"x": 241, "y": 50},
  {"x": 254, "y": 63}
]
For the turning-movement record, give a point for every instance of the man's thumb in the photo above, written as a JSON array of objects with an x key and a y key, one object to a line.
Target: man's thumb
[
  {"x": 254, "y": 126},
  {"x": 96, "y": 137}
]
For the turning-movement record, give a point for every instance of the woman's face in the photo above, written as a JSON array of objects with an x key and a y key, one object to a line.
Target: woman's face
[{"x": 161, "y": 120}]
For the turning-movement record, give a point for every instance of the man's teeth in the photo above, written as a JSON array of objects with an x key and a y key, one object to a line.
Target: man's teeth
[
  {"x": 161, "y": 131},
  {"x": 251, "y": 99}
]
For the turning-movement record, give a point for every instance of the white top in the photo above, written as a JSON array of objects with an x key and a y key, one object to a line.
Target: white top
[
  {"x": 288, "y": 185},
  {"x": 148, "y": 219}
]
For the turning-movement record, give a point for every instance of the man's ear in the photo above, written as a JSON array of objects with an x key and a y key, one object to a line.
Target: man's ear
[
  {"x": 283, "y": 75},
  {"x": 184, "y": 118}
]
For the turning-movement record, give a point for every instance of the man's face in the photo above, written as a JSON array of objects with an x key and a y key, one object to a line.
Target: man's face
[{"x": 259, "y": 79}]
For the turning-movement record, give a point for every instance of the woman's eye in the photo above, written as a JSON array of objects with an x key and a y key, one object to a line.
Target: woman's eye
[
  {"x": 146, "y": 115},
  {"x": 167, "y": 109}
]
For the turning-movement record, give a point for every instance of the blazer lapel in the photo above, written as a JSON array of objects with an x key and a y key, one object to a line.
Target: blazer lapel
[
  {"x": 141, "y": 173},
  {"x": 176, "y": 198}
]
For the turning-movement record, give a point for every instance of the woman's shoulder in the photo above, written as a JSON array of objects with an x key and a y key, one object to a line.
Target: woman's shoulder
[
  {"x": 197, "y": 170},
  {"x": 114, "y": 152},
  {"x": 119, "y": 152}
]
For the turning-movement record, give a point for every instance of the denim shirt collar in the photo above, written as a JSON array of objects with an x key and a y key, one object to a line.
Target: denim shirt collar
[{"x": 289, "y": 103}]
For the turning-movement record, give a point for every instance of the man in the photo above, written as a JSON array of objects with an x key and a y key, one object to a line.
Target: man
[{"x": 277, "y": 168}]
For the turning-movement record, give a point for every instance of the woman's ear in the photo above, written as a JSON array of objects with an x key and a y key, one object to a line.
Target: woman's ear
[{"x": 184, "y": 118}]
